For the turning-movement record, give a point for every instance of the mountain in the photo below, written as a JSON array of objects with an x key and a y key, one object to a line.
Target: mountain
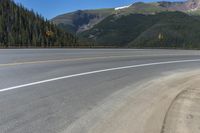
[
  {"x": 83, "y": 20},
  {"x": 80, "y": 20},
  {"x": 156, "y": 24},
  {"x": 164, "y": 29},
  {"x": 20, "y": 27}
]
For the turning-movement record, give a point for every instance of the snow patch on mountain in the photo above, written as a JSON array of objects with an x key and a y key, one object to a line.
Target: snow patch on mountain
[{"x": 122, "y": 7}]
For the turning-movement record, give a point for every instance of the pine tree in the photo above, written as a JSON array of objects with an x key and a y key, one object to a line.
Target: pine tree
[{"x": 22, "y": 28}]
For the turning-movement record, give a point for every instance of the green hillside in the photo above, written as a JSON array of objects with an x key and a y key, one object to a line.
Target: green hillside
[
  {"x": 166, "y": 29},
  {"x": 22, "y": 28},
  {"x": 174, "y": 30},
  {"x": 118, "y": 31}
]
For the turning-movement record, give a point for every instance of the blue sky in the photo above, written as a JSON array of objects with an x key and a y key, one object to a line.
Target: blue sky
[{"x": 52, "y": 8}]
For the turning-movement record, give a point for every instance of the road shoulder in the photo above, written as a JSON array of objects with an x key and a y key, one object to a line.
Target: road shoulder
[{"x": 141, "y": 109}]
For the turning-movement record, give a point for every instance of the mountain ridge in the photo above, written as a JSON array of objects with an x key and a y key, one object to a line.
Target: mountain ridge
[{"x": 89, "y": 18}]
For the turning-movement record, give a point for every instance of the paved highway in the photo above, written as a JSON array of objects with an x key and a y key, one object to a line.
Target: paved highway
[{"x": 48, "y": 90}]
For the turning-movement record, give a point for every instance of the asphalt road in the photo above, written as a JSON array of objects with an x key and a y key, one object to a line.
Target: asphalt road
[{"x": 62, "y": 85}]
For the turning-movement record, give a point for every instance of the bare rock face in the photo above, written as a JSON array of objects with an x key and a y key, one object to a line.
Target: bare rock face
[
  {"x": 192, "y": 4},
  {"x": 189, "y": 5}
]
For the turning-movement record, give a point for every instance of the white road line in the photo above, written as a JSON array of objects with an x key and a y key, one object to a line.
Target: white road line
[{"x": 97, "y": 71}]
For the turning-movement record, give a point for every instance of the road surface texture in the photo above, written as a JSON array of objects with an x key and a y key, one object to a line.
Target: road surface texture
[{"x": 99, "y": 91}]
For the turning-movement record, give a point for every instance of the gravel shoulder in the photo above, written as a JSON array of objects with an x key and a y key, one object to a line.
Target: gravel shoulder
[{"x": 168, "y": 104}]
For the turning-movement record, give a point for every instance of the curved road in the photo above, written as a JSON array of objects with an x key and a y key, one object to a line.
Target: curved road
[{"x": 46, "y": 90}]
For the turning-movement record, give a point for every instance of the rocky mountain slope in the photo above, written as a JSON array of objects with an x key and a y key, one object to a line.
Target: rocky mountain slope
[
  {"x": 83, "y": 20},
  {"x": 80, "y": 20}
]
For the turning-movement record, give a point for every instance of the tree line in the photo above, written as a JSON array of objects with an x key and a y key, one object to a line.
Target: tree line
[{"x": 21, "y": 28}]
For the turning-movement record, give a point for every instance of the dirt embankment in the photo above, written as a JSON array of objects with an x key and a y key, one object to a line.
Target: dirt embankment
[{"x": 170, "y": 104}]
